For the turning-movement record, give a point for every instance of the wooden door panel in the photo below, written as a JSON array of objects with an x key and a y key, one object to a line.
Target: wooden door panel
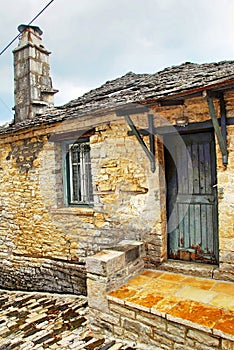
[
  {"x": 191, "y": 198},
  {"x": 196, "y": 199}
]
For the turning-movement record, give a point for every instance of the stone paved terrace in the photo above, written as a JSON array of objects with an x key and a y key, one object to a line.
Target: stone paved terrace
[
  {"x": 31, "y": 320},
  {"x": 189, "y": 302}
]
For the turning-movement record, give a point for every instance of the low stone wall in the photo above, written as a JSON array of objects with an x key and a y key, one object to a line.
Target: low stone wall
[
  {"x": 109, "y": 269},
  {"x": 40, "y": 274},
  {"x": 154, "y": 332}
]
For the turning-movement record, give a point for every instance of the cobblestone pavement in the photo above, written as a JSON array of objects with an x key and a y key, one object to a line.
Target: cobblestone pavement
[{"x": 32, "y": 320}]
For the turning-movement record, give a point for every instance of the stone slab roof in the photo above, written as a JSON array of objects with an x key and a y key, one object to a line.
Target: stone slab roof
[
  {"x": 39, "y": 320},
  {"x": 137, "y": 88}
]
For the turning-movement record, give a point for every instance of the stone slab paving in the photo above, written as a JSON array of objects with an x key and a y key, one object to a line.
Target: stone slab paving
[
  {"x": 33, "y": 320},
  {"x": 204, "y": 302}
]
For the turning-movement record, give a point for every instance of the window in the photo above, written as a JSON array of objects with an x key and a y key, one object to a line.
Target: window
[{"x": 78, "y": 164}]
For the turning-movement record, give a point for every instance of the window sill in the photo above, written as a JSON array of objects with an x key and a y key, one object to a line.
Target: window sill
[{"x": 79, "y": 211}]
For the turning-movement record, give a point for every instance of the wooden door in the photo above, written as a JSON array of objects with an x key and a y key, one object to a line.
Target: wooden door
[{"x": 190, "y": 166}]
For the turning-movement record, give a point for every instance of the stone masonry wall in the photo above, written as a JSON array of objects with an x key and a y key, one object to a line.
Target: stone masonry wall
[
  {"x": 153, "y": 332},
  {"x": 109, "y": 269},
  {"x": 126, "y": 204},
  {"x": 35, "y": 254},
  {"x": 126, "y": 189},
  {"x": 226, "y": 210},
  {"x": 47, "y": 242}
]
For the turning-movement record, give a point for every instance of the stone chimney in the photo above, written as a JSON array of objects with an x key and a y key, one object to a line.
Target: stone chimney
[{"x": 33, "y": 86}]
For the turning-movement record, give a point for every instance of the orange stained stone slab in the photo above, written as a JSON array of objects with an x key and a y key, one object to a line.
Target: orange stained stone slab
[
  {"x": 152, "y": 274},
  {"x": 199, "y": 282},
  {"x": 165, "y": 304},
  {"x": 172, "y": 277},
  {"x": 224, "y": 287},
  {"x": 147, "y": 300},
  {"x": 226, "y": 323},
  {"x": 197, "y": 313},
  {"x": 123, "y": 292},
  {"x": 138, "y": 280}
]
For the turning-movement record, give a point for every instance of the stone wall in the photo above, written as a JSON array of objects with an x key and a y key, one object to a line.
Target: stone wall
[
  {"x": 126, "y": 189},
  {"x": 37, "y": 229},
  {"x": 153, "y": 332},
  {"x": 35, "y": 254},
  {"x": 109, "y": 269},
  {"x": 226, "y": 210},
  {"x": 42, "y": 274},
  {"x": 126, "y": 200}
]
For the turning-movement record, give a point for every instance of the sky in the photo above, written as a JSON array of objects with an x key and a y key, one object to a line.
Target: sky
[{"x": 93, "y": 41}]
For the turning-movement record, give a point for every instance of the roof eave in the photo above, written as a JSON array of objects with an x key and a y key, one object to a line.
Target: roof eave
[{"x": 198, "y": 91}]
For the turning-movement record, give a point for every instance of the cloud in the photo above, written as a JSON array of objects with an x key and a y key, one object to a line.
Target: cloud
[
  {"x": 68, "y": 91},
  {"x": 94, "y": 41}
]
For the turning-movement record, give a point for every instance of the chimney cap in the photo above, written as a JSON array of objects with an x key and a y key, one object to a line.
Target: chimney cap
[{"x": 23, "y": 27}]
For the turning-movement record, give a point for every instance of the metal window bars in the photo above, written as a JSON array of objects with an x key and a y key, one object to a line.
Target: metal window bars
[{"x": 81, "y": 191}]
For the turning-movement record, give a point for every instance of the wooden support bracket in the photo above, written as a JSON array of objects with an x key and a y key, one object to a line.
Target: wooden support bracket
[
  {"x": 221, "y": 140},
  {"x": 149, "y": 153}
]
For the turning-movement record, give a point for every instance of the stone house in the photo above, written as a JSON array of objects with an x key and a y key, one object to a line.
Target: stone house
[{"x": 145, "y": 157}]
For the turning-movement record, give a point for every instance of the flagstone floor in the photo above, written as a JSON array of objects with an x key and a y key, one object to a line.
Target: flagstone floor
[{"x": 205, "y": 302}]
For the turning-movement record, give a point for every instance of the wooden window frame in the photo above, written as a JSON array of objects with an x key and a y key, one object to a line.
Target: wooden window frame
[{"x": 77, "y": 173}]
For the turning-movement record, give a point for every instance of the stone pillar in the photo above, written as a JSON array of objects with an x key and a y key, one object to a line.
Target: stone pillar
[
  {"x": 33, "y": 87},
  {"x": 100, "y": 267},
  {"x": 109, "y": 269}
]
